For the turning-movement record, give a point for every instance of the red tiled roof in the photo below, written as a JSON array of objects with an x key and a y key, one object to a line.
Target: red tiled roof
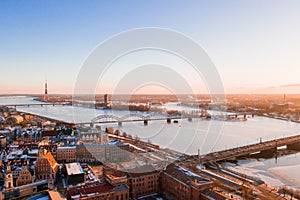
[{"x": 52, "y": 161}]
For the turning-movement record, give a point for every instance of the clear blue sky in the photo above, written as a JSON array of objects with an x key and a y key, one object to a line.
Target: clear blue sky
[{"x": 253, "y": 43}]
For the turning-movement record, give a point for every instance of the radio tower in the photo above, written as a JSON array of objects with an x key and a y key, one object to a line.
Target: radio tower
[{"x": 46, "y": 91}]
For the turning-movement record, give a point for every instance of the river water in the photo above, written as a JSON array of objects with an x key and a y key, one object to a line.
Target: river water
[{"x": 189, "y": 137}]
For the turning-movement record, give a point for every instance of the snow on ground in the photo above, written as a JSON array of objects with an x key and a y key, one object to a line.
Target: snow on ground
[
  {"x": 250, "y": 163},
  {"x": 270, "y": 181},
  {"x": 288, "y": 173},
  {"x": 275, "y": 176},
  {"x": 256, "y": 173}
]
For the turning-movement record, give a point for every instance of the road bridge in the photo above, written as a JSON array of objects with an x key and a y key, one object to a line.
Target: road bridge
[{"x": 267, "y": 148}]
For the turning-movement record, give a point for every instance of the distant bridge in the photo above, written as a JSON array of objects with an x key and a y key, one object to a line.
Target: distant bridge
[
  {"x": 113, "y": 118},
  {"x": 132, "y": 117},
  {"x": 37, "y": 104}
]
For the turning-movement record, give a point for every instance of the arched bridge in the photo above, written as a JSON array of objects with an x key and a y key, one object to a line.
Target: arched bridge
[
  {"x": 135, "y": 116},
  {"x": 126, "y": 118},
  {"x": 106, "y": 118}
]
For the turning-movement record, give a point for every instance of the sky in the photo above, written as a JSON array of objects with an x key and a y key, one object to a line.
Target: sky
[{"x": 254, "y": 44}]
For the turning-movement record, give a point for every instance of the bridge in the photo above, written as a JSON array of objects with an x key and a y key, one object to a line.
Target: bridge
[
  {"x": 37, "y": 104},
  {"x": 267, "y": 148},
  {"x": 134, "y": 117},
  {"x": 128, "y": 117}
]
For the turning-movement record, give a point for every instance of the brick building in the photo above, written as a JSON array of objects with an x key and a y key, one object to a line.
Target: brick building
[
  {"x": 118, "y": 152},
  {"x": 45, "y": 166},
  {"x": 118, "y": 180},
  {"x": 25, "y": 177},
  {"x": 66, "y": 154},
  {"x": 183, "y": 184},
  {"x": 144, "y": 180}
]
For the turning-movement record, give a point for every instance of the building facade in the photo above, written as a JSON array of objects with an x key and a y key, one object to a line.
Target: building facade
[
  {"x": 46, "y": 167},
  {"x": 118, "y": 180},
  {"x": 66, "y": 154},
  {"x": 75, "y": 173},
  {"x": 144, "y": 180},
  {"x": 25, "y": 177},
  {"x": 182, "y": 184},
  {"x": 103, "y": 153}
]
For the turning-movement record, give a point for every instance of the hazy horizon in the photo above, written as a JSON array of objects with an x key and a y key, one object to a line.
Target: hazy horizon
[{"x": 280, "y": 89}]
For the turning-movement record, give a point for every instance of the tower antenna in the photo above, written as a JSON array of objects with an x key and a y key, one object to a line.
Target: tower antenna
[{"x": 46, "y": 90}]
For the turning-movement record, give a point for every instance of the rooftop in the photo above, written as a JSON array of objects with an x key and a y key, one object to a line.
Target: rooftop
[
  {"x": 74, "y": 168},
  {"x": 52, "y": 161},
  {"x": 55, "y": 195},
  {"x": 33, "y": 151},
  {"x": 115, "y": 177},
  {"x": 90, "y": 190},
  {"x": 184, "y": 175},
  {"x": 142, "y": 171},
  {"x": 66, "y": 147}
]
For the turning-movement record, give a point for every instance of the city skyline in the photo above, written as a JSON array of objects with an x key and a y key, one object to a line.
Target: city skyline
[
  {"x": 160, "y": 100},
  {"x": 253, "y": 45}
]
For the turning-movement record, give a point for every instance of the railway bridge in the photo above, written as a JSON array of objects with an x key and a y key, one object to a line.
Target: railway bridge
[{"x": 135, "y": 117}]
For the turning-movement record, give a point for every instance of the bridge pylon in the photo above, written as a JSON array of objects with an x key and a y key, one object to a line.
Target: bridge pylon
[{"x": 145, "y": 122}]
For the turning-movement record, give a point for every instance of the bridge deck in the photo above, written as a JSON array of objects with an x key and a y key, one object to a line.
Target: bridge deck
[
  {"x": 245, "y": 150},
  {"x": 35, "y": 104}
]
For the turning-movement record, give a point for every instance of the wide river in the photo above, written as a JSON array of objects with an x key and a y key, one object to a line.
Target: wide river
[{"x": 189, "y": 137}]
